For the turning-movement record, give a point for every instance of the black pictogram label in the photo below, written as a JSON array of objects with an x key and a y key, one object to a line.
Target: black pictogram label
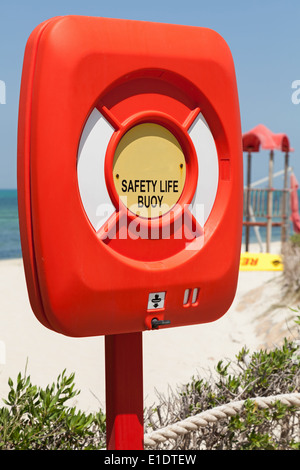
[{"x": 156, "y": 300}]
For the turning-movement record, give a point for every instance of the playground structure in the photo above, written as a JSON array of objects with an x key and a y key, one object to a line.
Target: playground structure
[{"x": 268, "y": 203}]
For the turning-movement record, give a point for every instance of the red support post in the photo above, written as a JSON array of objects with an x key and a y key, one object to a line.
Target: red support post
[{"x": 124, "y": 391}]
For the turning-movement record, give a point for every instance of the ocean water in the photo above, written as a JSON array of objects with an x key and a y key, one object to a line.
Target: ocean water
[{"x": 10, "y": 246}]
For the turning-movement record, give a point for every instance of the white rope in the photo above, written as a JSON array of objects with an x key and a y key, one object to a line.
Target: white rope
[{"x": 192, "y": 423}]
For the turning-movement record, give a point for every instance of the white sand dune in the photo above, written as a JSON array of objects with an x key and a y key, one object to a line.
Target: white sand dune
[{"x": 256, "y": 319}]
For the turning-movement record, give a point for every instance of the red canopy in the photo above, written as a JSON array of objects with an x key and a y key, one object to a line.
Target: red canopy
[{"x": 261, "y": 136}]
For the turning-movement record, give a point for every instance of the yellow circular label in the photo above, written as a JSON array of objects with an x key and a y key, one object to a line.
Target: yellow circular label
[{"x": 149, "y": 170}]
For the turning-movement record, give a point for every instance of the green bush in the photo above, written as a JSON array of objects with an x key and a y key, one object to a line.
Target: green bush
[
  {"x": 34, "y": 418},
  {"x": 295, "y": 239},
  {"x": 262, "y": 374}
]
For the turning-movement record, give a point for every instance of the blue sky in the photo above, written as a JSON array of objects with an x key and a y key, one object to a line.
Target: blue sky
[{"x": 264, "y": 38}]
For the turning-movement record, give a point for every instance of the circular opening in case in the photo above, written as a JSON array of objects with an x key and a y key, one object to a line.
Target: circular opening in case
[{"x": 149, "y": 170}]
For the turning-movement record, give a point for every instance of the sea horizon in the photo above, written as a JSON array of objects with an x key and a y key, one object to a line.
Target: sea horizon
[{"x": 10, "y": 245}]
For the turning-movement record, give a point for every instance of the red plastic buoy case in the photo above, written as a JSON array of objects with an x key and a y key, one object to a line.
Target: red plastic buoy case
[{"x": 129, "y": 175}]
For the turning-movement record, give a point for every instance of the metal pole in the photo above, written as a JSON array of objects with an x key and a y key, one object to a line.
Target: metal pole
[
  {"x": 248, "y": 202},
  {"x": 124, "y": 391},
  {"x": 270, "y": 202},
  {"x": 284, "y": 230}
]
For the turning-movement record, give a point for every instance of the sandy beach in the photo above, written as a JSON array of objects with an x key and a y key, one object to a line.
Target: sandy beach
[{"x": 258, "y": 318}]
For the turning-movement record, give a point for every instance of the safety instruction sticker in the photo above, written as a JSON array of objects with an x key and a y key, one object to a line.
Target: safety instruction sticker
[
  {"x": 261, "y": 262},
  {"x": 156, "y": 300}
]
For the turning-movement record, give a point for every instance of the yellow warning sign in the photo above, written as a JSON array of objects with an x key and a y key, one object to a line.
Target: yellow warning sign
[{"x": 260, "y": 262}]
